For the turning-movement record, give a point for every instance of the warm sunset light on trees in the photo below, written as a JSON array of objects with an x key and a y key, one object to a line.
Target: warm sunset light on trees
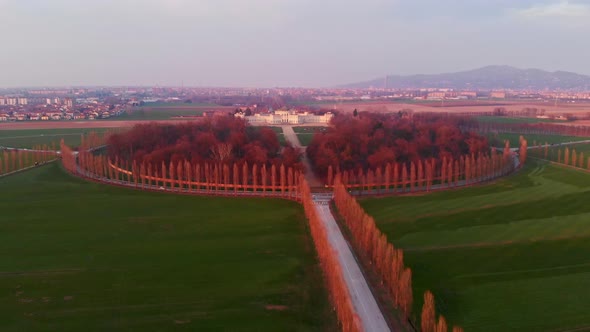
[{"x": 371, "y": 141}]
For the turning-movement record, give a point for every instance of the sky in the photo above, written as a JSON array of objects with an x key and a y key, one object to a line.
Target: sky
[{"x": 281, "y": 43}]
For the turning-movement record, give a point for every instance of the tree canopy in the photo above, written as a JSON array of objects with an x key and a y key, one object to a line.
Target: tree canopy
[
  {"x": 373, "y": 140},
  {"x": 219, "y": 139}
]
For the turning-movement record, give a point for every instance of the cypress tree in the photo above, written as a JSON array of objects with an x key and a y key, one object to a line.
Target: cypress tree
[
  {"x": 404, "y": 177},
  {"x": 236, "y": 177},
  {"x": 574, "y": 158},
  {"x": 441, "y": 326},
  {"x": 387, "y": 176},
  {"x": 264, "y": 178},
  {"x": 427, "y": 321},
  {"x": 412, "y": 176},
  {"x": 395, "y": 176},
  {"x": 255, "y": 177},
  {"x": 443, "y": 172}
]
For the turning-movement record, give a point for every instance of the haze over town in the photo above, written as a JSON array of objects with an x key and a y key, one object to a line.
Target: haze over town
[{"x": 266, "y": 43}]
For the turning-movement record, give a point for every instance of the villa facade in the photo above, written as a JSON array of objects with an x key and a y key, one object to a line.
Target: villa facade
[{"x": 280, "y": 117}]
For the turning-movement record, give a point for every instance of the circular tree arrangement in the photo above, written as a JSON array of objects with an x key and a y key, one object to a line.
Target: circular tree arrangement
[
  {"x": 371, "y": 141},
  {"x": 215, "y": 154},
  {"x": 225, "y": 140}
]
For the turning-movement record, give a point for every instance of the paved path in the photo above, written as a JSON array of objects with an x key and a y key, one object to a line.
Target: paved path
[
  {"x": 557, "y": 144},
  {"x": 548, "y": 145},
  {"x": 49, "y": 151},
  {"x": 363, "y": 300},
  {"x": 29, "y": 150},
  {"x": 291, "y": 137}
]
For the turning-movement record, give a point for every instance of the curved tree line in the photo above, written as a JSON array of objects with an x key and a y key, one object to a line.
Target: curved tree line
[
  {"x": 423, "y": 174},
  {"x": 565, "y": 156},
  {"x": 100, "y": 168},
  {"x": 185, "y": 176},
  {"x": 212, "y": 176},
  {"x": 386, "y": 260}
]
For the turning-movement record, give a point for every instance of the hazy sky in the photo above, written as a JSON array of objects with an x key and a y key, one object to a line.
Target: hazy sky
[{"x": 281, "y": 42}]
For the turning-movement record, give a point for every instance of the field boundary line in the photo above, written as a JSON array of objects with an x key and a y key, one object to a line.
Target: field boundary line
[
  {"x": 156, "y": 189},
  {"x": 563, "y": 165},
  {"x": 491, "y": 244},
  {"x": 27, "y": 168}
]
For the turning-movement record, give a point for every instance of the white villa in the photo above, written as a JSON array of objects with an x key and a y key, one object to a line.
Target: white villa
[{"x": 286, "y": 117}]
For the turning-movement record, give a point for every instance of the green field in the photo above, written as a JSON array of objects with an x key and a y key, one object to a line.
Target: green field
[
  {"x": 280, "y": 135},
  {"x": 166, "y": 111},
  {"x": 324, "y": 103},
  {"x": 31, "y": 137},
  {"x": 581, "y": 147},
  {"x": 305, "y": 134},
  {"x": 497, "y": 139},
  {"x": 277, "y": 130},
  {"x": 177, "y": 104},
  {"x": 158, "y": 114},
  {"x": 510, "y": 256},
  {"x": 79, "y": 256},
  {"x": 553, "y": 153},
  {"x": 305, "y": 139},
  {"x": 506, "y": 119},
  {"x": 308, "y": 130}
]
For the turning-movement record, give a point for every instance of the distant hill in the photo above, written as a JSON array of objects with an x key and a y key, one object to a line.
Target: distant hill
[{"x": 490, "y": 77}]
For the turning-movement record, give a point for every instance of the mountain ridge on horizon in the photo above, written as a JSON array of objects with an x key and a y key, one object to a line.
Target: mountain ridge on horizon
[{"x": 493, "y": 77}]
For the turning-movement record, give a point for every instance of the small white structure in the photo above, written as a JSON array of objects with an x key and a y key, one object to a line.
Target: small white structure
[{"x": 286, "y": 117}]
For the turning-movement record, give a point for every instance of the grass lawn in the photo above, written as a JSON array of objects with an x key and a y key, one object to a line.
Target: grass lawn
[
  {"x": 497, "y": 139},
  {"x": 308, "y": 130},
  {"x": 79, "y": 256},
  {"x": 510, "y": 256},
  {"x": 277, "y": 130},
  {"x": 305, "y": 134},
  {"x": 507, "y": 119},
  {"x": 282, "y": 139},
  {"x": 305, "y": 139},
  {"x": 582, "y": 147},
  {"x": 30, "y": 137},
  {"x": 178, "y": 104},
  {"x": 553, "y": 153},
  {"x": 158, "y": 114}
]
